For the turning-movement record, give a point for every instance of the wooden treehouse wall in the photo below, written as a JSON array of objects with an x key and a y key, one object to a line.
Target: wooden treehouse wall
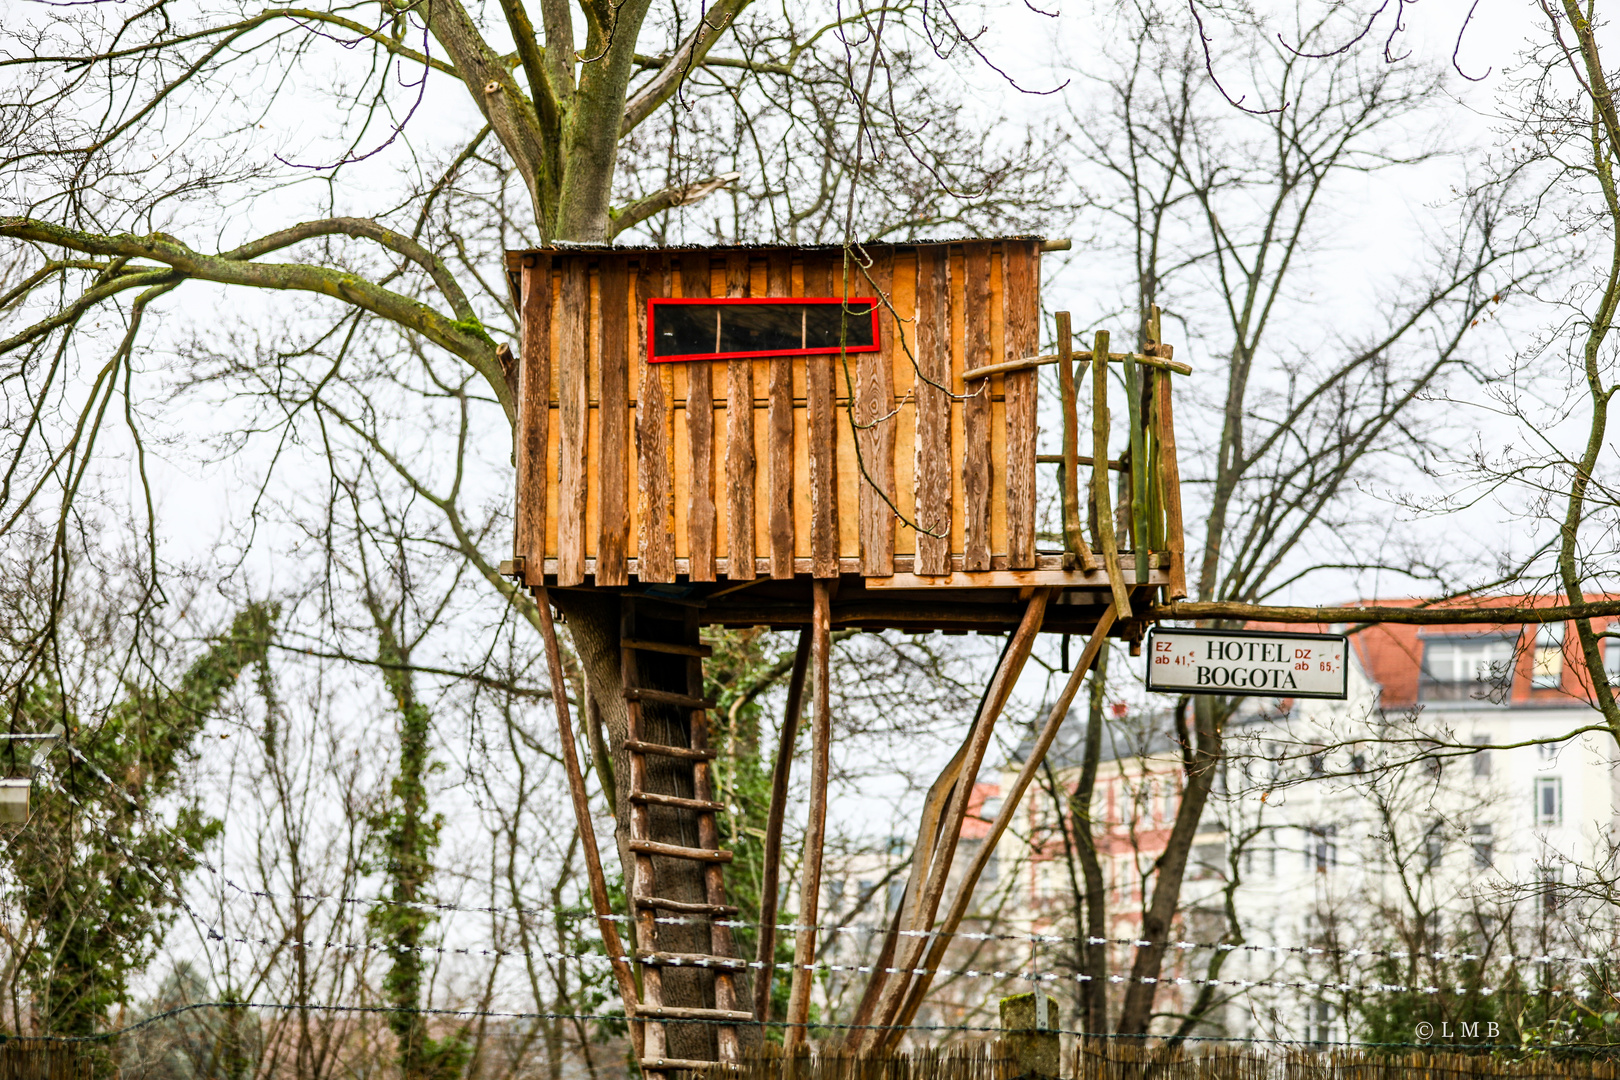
[{"x": 871, "y": 463}]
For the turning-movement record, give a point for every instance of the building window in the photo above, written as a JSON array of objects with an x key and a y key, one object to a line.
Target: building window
[
  {"x": 1434, "y": 844},
  {"x": 1548, "y": 880},
  {"x": 1611, "y": 658},
  {"x": 1321, "y": 848},
  {"x": 1482, "y": 758},
  {"x": 733, "y": 327},
  {"x": 1484, "y": 846},
  {"x": 1457, "y": 668},
  {"x": 1547, "y": 666},
  {"x": 1319, "y": 1023},
  {"x": 1549, "y": 800}
]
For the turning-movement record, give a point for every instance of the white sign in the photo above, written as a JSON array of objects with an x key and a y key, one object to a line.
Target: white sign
[{"x": 1248, "y": 663}]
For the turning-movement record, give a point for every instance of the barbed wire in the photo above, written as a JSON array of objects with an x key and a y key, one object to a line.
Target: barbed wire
[
  {"x": 585, "y": 915},
  {"x": 715, "y": 963}
]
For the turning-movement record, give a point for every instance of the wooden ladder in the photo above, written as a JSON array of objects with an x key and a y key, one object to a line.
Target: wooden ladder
[{"x": 654, "y": 644}]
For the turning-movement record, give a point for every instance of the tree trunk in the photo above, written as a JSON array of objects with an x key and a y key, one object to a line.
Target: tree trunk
[
  {"x": 1171, "y": 867},
  {"x": 1094, "y": 957},
  {"x": 408, "y": 836}
]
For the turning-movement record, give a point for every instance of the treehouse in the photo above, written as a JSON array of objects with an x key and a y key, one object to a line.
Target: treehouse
[{"x": 803, "y": 438}]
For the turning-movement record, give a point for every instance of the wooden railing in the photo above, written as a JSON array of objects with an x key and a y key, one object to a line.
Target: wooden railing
[{"x": 1146, "y": 507}]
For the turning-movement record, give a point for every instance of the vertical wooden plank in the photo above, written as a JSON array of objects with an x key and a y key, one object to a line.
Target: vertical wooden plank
[
  {"x": 593, "y": 412},
  {"x": 976, "y": 409},
  {"x": 700, "y": 517},
  {"x": 779, "y": 418},
  {"x": 875, "y": 428},
  {"x": 1174, "y": 540},
  {"x": 534, "y": 417},
  {"x": 1100, "y": 425},
  {"x": 903, "y": 381},
  {"x": 1074, "y": 539},
  {"x": 655, "y": 438},
  {"x": 1137, "y": 511},
  {"x": 573, "y": 420},
  {"x": 739, "y": 443},
  {"x": 958, "y": 386},
  {"x": 1021, "y": 304},
  {"x": 823, "y": 433},
  {"x": 553, "y": 426},
  {"x": 613, "y": 502},
  {"x": 933, "y": 468}
]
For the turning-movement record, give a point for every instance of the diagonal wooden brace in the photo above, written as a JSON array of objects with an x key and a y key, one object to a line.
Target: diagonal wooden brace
[
  {"x": 1010, "y": 800},
  {"x": 582, "y": 819},
  {"x": 908, "y": 950}
]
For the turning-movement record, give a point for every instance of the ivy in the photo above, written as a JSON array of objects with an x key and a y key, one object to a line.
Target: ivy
[{"x": 100, "y": 867}]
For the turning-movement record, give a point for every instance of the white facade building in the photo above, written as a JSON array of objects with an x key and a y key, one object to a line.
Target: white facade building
[{"x": 1464, "y": 800}]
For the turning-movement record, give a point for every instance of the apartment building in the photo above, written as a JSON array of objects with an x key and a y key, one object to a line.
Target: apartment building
[{"x": 1457, "y": 802}]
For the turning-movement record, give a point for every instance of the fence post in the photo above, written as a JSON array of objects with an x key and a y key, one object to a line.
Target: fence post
[{"x": 1031, "y": 1036}]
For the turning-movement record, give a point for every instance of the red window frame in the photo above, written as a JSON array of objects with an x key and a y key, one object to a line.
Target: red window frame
[{"x": 653, "y": 303}]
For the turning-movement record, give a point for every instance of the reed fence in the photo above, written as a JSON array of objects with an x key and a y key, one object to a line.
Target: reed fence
[{"x": 1113, "y": 1060}]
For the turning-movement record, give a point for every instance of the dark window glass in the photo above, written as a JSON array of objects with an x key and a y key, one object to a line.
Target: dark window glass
[
  {"x": 1458, "y": 668},
  {"x": 682, "y": 328},
  {"x": 747, "y": 329}
]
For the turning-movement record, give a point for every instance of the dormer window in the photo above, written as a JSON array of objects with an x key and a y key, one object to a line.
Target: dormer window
[
  {"x": 1547, "y": 667},
  {"x": 735, "y": 328},
  {"x": 1457, "y": 668}
]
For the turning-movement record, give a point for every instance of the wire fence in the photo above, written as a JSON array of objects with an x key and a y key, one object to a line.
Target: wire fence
[
  {"x": 1034, "y": 976},
  {"x": 870, "y": 929}
]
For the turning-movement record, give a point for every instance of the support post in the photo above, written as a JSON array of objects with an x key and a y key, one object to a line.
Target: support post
[
  {"x": 582, "y": 819},
  {"x": 770, "y": 884},
  {"x": 1173, "y": 538},
  {"x": 1028, "y": 1031},
  {"x": 1099, "y": 475},
  {"x": 1074, "y": 537},
  {"x": 1135, "y": 408},
  {"x": 1010, "y": 800},
  {"x": 804, "y": 951}
]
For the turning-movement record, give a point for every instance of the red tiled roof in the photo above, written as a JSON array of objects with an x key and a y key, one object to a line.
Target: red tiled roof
[{"x": 1392, "y": 653}]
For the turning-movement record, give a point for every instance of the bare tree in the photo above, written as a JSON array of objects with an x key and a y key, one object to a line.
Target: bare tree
[{"x": 1221, "y": 211}]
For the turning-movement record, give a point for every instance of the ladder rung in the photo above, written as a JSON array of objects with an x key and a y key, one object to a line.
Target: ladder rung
[
  {"x": 680, "y": 1012},
  {"x": 684, "y": 908},
  {"x": 690, "y": 959},
  {"x": 637, "y": 746},
  {"x": 663, "y": 1064},
  {"x": 674, "y": 800},
  {"x": 676, "y": 647},
  {"x": 665, "y": 697},
  {"x": 652, "y": 847}
]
